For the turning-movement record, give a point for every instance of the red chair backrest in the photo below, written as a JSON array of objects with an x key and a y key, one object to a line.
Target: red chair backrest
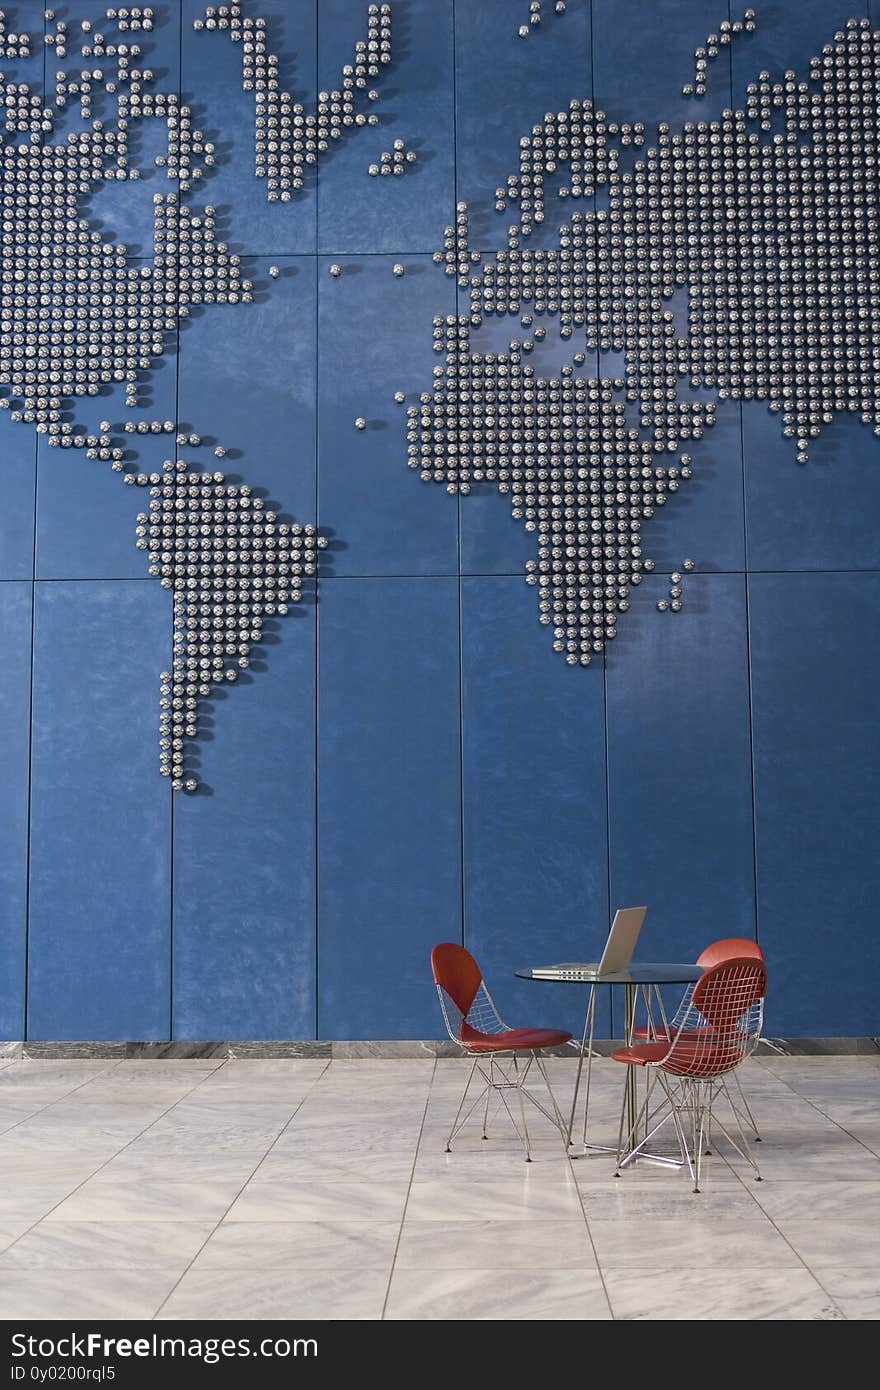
[
  {"x": 456, "y": 971},
  {"x": 730, "y": 948},
  {"x": 726, "y": 991}
]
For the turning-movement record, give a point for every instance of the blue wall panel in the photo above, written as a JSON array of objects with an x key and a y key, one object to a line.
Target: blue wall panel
[
  {"x": 703, "y": 522},
  {"x": 407, "y": 760},
  {"x": 817, "y": 769},
  {"x": 86, "y": 515},
  {"x": 244, "y": 848},
  {"x": 680, "y": 793},
  {"x": 503, "y": 85},
  {"x": 211, "y": 83},
  {"x": 19, "y": 453},
  {"x": 18, "y": 446},
  {"x": 100, "y": 865},
  {"x": 788, "y": 36},
  {"x": 244, "y": 855},
  {"x": 645, "y": 54},
  {"x": 819, "y": 515},
  {"x": 247, "y": 383},
  {"x": 15, "y": 641},
  {"x": 389, "y": 802},
  {"x": 374, "y": 339},
  {"x": 534, "y": 810},
  {"x": 124, "y": 210},
  {"x": 357, "y": 213}
]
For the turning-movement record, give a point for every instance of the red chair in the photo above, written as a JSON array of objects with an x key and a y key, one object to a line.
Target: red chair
[
  {"x": 718, "y": 1026},
  {"x": 473, "y": 1022},
  {"x": 728, "y": 948}
]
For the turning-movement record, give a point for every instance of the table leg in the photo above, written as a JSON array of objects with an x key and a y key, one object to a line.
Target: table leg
[
  {"x": 629, "y": 1024},
  {"x": 586, "y": 1050}
]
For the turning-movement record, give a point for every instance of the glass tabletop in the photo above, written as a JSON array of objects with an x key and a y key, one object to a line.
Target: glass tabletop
[{"x": 639, "y": 973}]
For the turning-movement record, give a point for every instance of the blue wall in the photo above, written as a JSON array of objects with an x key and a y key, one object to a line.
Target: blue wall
[{"x": 413, "y": 764}]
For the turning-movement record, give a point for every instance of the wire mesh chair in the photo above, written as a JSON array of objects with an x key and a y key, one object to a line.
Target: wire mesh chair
[
  {"x": 719, "y": 1025},
  {"x": 728, "y": 948},
  {"x": 503, "y": 1057}
]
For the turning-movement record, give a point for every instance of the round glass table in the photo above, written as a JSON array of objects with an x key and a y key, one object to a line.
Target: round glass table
[{"x": 646, "y": 977}]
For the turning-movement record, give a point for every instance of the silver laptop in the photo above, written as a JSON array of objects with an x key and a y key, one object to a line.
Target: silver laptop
[{"x": 616, "y": 956}]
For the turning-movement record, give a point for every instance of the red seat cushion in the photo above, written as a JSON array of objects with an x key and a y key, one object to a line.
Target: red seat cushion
[
  {"x": 685, "y": 1059},
  {"x": 641, "y": 1053},
  {"x": 661, "y": 1032},
  {"x": 513, "y": 1040}
]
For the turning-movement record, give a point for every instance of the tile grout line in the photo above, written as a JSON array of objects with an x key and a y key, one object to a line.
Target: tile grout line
[
  {"x": 739, "y": 1175},
  {"x": 815, "y": 1106},
  {"x": 101, "y": 1166},
  {"x": 109, "y": 1066},
  {"x": 408, "y": 1191},
  {"x": 283, "y": 1130},
  {"x": 769, "y": 1219},
  {"x": 580, "y": 1196}
]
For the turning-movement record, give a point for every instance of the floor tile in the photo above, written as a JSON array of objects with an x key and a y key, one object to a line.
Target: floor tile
[
  {"x": 228, "y": 1140},
  {"x": 462, "y": 1198},
  {"x": 850, "y": 1240},
  {"x": 289, "y": 1164},
  {"x": 306, "y": 1167},
  {"x": 667, "y": 1294},
  {"x": 34, "y": 1200},
  {"x": 705, "y": 1242},
  {"x": 304, "y": 1138},
  {"x": 266, "y": 1200},
  {"x": 827, "y": 1204},
  {"x": 201, "y": 1112},
  {"x": 855, "y": 1291},
  {"x": 86, "y": 1245},
  {"x": 866, "y": 1134},
  {"x": 147, "y": 1199},
  {"x": 134, "y": 1165},
  {"x": 52, "y": 1294},
  {"x": 597, "y": 1169},
  {"x": 809, "y": 1158},
  {"x": 11, "y": 1229},
  {"x": 850, "y": 1114},
  {"x": 543, "y": 1295},
  {"x": 216, "y": 1295},
  {"x": 313, "y": 1245},
  {"x": 281, "y": 1069},
  {"x": 490, "y": 1162},
  {"x": 619, "y": 1199},
  {"x": 498, "y": 1245}
]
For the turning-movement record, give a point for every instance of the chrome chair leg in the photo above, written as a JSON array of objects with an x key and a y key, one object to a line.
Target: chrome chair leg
[
  {"x": 488, "y": 1097},
  {"x": 628, "y": 1153},
  {"x": 744, "y": 1151},
  {"x": 467, "y": 1087},
  {"x": 746, "y": 1107},
  {"x": 542, "y": 1068},
  {"x": 700, "y": 1117},
  {"x": 520, "y": 1080},
  {"x": 679, "y": 1129}
]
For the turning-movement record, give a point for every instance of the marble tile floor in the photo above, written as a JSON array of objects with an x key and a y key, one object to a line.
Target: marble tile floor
[{"x": 317, "y": 1188}]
